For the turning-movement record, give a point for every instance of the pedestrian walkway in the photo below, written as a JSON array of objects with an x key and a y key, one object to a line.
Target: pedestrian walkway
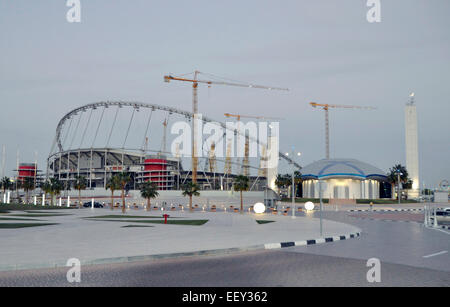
[{"x": 89, "y": 240}]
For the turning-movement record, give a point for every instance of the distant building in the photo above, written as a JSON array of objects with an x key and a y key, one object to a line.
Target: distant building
[
  {"x": 412, "y": 147},
  {"x": 343, "y": 179}
]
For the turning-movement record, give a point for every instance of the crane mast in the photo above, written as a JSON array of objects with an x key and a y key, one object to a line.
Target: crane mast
[
  {"x": 245, "y": 160},
  {"x": 326, "y": 108},
  {"x": 195, "y": 82}
]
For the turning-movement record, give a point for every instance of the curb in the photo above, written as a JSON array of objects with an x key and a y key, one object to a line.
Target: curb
[
  {"x": 385, "y": 210},
  {"x": 312, "y": 241},
  {"x": 383, "y": 220},
  {"x": 61, "y": 264}
]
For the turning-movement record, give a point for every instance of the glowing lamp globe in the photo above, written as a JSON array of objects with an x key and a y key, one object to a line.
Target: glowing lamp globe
[
  {"x": 309, "y": 206},
  {"x": 259, "y": 208}
]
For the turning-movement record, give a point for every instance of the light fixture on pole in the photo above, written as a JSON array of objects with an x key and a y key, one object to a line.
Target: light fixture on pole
[
  {"x": 293, "y": 179},
  {"x": 399, "y": 173}
]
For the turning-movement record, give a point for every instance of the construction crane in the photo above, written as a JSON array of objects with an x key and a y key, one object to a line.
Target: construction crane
[
  {"x": 325, "y": 107},
  {"x": 239, "y": 116},
  {"x": 245, "y": 161},
  {"x": 195, "y": 82}
]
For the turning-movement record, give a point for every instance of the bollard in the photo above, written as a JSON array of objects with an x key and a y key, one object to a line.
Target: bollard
[
  {"x": 425, "y": 222},
  {"x": 35, "y": 200},
  {"x": 92, "y": 203},
  {"x": 435, "y": 224},
  {"x": 43, "y": 199},
  {"x": 68, "y": 201}
]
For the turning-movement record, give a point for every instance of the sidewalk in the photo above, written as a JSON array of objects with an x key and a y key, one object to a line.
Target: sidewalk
[{"x": 91, "y": 240}]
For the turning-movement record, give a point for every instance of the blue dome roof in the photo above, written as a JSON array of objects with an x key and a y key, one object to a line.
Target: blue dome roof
[{"x": 342, "y": 168}]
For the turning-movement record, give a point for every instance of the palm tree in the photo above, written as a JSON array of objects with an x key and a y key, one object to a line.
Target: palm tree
[
  {"x": 298, "y": 181},
  {"x": 149, "y": 190},
  {"x": 393, "y": 176},
  {"x": 241, "y": 184},
  {"x": 5, "y": 183},
  {"x": 28, "y": 185},
  {"x": 113, "y": 185},
  {"x": 56, "y": 187},
  {"x": 80, "y": 184},
  {"x": 46, "y": 187},
  {"x": 17, "y": 187},
  {"x": 190, "y": 189},
  {"x": 283, "y": 181},
  {"x": 123, "y": 179}
]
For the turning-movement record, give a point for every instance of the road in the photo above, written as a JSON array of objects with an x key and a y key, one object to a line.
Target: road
[{"x": 410, "y": 255}]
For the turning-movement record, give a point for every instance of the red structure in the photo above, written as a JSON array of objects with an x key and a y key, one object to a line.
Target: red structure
[
  {"x": 155, "y": 170},
  {"x": 27, "y": 170}
]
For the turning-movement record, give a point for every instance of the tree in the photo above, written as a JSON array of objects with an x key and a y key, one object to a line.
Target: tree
[
  {"x": 17, "y": 186},
  {"x": 46, "y": 187},
  {"x": 113, "y": 185},
  {"x": 28, "y": 185},
  {"x": 56, "y": 187},
  {"x": 241, "y": 184},
  {"x": 80, "y": 184},
  {"x": 393, "y": 176},
  {"x": 190, "y": 189},
  {"x": 6, "y": 184},
  {"x": 149, "y": 190},
  {"x": 123, "y": 179}
]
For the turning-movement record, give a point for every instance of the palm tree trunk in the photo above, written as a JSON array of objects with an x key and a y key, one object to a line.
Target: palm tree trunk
[
  {"x": 190, "y": 203},
  {"x": 112, "y": 199},
  {"x": 79, "y": 199},
  {"x": 148, "y": 204},
  {"x": 123, "y": 201},
  {"x": 242, "y": 204}
]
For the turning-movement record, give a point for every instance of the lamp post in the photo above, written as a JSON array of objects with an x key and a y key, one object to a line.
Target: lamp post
[
  {"x": 321, "y": 207},
  {"x": 398, "y": 188},
  {"x": 293, "y": 181}
]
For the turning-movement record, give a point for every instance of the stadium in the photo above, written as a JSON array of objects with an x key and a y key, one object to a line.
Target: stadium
[{"x": 101, "y": 139}]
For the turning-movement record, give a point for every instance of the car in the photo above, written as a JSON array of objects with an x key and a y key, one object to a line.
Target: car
[
  {"x": 441, "y": 216},
  {"x": 89, "y": 205}
]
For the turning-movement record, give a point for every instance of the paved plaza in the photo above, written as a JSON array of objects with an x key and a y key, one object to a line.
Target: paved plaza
[{"x": 81, "y": 235}]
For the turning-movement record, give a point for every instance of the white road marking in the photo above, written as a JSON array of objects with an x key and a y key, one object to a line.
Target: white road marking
[
  {"x": 446, "y": 232},
  {"x": 436, "y": 254}
]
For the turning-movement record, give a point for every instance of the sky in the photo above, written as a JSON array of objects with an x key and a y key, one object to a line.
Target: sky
[{"x": 324, "y": 51}]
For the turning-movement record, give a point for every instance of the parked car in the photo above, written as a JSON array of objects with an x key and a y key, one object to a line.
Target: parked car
[
  {"x": 442, "y": 216},
  {"x": 89, "y": 205}
]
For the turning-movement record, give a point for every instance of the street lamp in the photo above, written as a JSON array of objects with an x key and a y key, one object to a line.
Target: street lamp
[
  {"x": 293, "y": 179},
  {"x": 399, "y": 173}
]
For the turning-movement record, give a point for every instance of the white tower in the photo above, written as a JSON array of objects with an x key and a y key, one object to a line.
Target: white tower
[{"x": 412, "y": 146}]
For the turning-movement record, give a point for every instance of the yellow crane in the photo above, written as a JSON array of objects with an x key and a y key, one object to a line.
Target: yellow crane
[
  {"x": 239, "y": 116},
  {"x": 326, "y": 107},
  {"x": 195, "y": 82}
]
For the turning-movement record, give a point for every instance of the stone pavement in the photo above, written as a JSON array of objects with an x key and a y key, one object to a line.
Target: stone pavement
[{"x": 90, "y": 240}]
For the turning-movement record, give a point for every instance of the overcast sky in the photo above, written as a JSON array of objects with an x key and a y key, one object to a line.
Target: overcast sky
[{"x": 324, "y": 51}]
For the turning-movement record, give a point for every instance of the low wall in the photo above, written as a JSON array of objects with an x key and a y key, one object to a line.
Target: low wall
[{"x": 336, "y": 201}]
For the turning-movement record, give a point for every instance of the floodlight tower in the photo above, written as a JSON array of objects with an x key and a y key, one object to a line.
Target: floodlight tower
[{"x": 412, "y": 145}]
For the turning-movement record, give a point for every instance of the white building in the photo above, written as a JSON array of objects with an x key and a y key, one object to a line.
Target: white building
[
  {"x": 412, "y": 147},
  {"x": 342, "y": 179}
]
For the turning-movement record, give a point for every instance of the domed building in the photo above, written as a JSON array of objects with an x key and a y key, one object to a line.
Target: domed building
[{"x": 342, "y": 179}]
